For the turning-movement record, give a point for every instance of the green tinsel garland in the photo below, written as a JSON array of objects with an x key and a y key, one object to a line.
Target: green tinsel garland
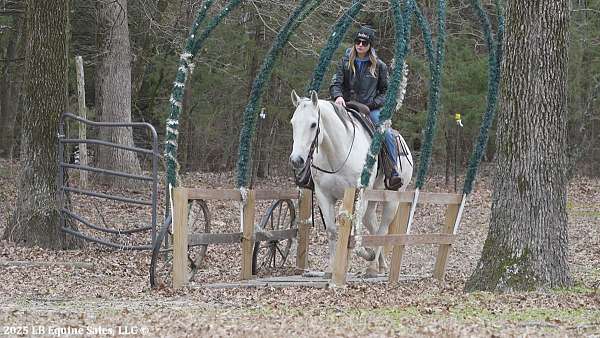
[
  {"x": 434, "y": 86},
  {"x": 338, "y": 32},
  {"x": 402, "y": 36},
  {"x": 494, "y": 60},
  {"x": 193, "y": 44},
  {"x": 250, "y": 113}
]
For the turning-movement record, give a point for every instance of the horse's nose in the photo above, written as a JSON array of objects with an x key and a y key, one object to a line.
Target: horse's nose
[{"x": 297, "y": 162}]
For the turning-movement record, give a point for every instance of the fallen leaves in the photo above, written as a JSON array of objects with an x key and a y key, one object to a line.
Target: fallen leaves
[{"x": 116, "y": 290}]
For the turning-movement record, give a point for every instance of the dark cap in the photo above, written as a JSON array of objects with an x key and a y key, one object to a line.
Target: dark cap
[{"x": 365, "y": 33}]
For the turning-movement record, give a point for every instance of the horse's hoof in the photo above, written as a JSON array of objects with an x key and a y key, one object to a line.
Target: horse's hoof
[
  {"x": 366, "y": 253},
  {"x": 370, "y": 273},
  {"x": 319, "y": 274}
]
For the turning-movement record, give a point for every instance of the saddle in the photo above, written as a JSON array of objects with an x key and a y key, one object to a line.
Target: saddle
[{"x": 361, "y": 112}]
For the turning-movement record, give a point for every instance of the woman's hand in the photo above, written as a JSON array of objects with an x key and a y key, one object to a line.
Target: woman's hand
[{"x": 340, "y": 101}]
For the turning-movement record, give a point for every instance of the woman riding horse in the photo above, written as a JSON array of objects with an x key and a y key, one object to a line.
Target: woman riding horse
[{"x": 361, "y": 76}]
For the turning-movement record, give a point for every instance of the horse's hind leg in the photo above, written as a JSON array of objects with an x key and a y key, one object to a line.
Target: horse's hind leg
[
  {"x": 389, "y": 211},
  {"x": 383, "y": 266},
  {"x": 369, "y": 220}
]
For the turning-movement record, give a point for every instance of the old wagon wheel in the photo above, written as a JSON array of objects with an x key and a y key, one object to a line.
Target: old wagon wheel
[
  {"x": 274, "y": 253},
  {"x": 198, "y": 222},
  {"x": 161, "y": 264}
]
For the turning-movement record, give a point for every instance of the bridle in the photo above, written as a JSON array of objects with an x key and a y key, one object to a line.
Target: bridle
[{"x": 313, "y": 145}]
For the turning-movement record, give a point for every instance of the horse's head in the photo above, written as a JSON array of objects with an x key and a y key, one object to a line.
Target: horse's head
[{"x": 305, "y": 124}]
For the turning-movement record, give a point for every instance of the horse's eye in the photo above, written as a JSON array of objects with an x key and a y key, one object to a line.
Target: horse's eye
[{"x": 313, "y": 125}]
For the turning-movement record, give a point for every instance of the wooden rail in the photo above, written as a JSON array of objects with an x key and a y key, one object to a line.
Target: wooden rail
[
  {"x": 408, "y": 196},
  {"x": 246, "y": 238},
  {"x": 397, "y": 237},
  {"x": 403, "y": 239},
  {"x": 235, "y": 195}
]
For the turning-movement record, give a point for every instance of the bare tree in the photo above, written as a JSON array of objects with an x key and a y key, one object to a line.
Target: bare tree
[
  {"x": 113, "y": 87},
  {"x": 527, "y": 245},
  {"x": 36, "y": 217}
]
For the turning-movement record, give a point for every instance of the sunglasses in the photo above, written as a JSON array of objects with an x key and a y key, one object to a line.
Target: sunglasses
[{"x": 361, "y": 42}]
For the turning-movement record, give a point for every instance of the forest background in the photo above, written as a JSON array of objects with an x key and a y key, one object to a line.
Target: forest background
[{"x": 229, "y": 60}]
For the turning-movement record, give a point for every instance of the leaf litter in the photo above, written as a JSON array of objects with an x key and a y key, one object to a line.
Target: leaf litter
[{"x": 110, "y": 288}]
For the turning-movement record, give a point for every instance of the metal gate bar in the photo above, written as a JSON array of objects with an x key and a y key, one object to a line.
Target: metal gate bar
[{"x": 62, "y": 187}]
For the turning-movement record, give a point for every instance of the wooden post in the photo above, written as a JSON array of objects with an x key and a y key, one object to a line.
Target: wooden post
[
  {"x": 248, "y": 232},
  {"x": 82, "y": 127},
  {"x": 304, "y": 206},
  {"x": 340, "y": 266},
  {"x": 444, "y": 249},
  {"x": 180, "y": 237},
  {"x": 394, "y": 228},
  {"x": 400, "y": 224}
]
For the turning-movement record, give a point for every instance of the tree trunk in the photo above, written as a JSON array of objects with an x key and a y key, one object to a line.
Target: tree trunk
[
  {"x": 113, "y": 100},
  {"x": 148, "y": 42},
  {"x": 527, "y": 245},
  {"x": 9, "y": 95},
  {"x": 36, "y": 217}
]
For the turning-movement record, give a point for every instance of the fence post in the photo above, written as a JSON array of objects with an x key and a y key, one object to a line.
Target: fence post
[
  {"x": 180, "y": 237},
  {"x": 400, "y": 224},
  {"x": 82, "y": 127},
  {"x": 340, "y": 266},
  {"x": 247, "y": 237},
  {"x": 304, "y": 206},
  {"x": 444, "y": 249}
]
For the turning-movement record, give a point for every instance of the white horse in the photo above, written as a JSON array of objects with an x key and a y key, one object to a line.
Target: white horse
[{"x": 340, "y": 146}]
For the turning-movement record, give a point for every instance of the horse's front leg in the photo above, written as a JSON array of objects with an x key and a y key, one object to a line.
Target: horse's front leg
[{"x": 327, "y": 205}]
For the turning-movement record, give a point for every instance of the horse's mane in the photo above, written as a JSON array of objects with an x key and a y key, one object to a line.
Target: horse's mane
[{"x": 340, "y": 112}]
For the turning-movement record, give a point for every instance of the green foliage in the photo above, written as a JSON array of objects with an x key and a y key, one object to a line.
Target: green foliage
[
  {"x": 465, "y": 81},
  {"x": 250, "y": 112},
  {"x": 494, "y": 48},
  {"x": 337, "y": 34},
  {"x": 193, "y": 45},
  {"x": 584, "y": 91},
  {"x": 229, "y": 60},
  {"x": 402, "y": 20},
  {"x": 436, "y": 63}
]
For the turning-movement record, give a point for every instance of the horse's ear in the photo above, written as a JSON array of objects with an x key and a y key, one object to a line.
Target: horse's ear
[
  {"x": 295, "y": 98},
  {"x": 314, "y": 97}
]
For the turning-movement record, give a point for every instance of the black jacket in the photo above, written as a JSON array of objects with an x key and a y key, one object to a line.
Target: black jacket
[{"x": 362, "y": 87}]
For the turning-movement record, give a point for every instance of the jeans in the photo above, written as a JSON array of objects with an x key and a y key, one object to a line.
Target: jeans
[{"x": 390, "y": 142}]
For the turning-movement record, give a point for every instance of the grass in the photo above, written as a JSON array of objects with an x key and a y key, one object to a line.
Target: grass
[
  {"x": 585, "y": 213},
  {"x": 582, "y": 210},
  {"x": 5, "y": 172},
  {"x": 578, "y": 288},
  {"x": 468, "y": 314}
]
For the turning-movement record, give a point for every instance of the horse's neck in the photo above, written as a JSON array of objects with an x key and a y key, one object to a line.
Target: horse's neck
[{"x": 337, "y": 137}]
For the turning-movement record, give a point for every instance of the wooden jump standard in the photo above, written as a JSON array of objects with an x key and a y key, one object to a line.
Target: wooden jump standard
[
  {"x": 397, "y": 234},
  {"x": 247, "y": 237}
]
